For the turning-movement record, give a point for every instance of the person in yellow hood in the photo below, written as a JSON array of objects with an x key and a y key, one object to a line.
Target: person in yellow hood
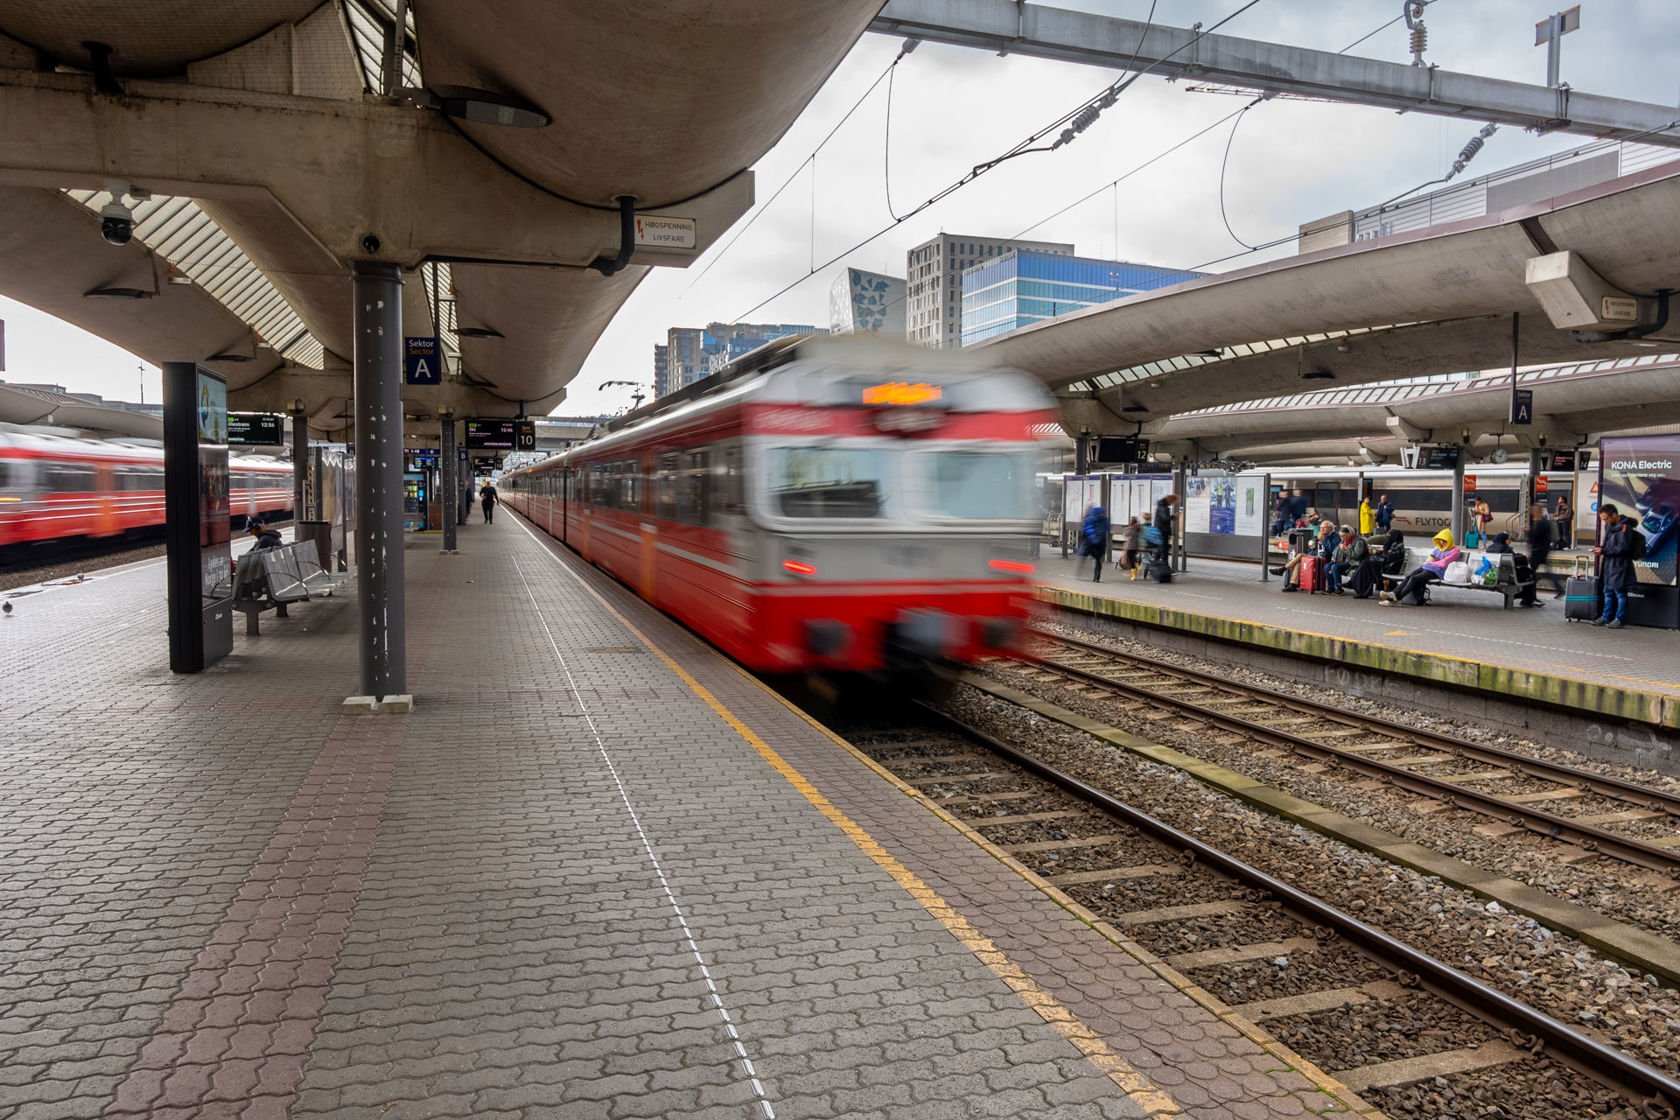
[{"x": 1432, "y": 569}]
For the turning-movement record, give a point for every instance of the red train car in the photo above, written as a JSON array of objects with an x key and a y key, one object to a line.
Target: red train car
[
  {"x": 60, "y": 489},
  {"x": 839, "y": 504}
]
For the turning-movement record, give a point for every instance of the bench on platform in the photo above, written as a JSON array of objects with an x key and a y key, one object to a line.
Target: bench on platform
[
  {"x": 1506, "y": 583},
  {"x": 273, "y": 578}
]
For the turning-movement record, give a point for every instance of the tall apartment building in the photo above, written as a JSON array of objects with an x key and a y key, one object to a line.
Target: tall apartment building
[
  {"x": 933, "y": 280},
  {"x": 691, "y": 353}
]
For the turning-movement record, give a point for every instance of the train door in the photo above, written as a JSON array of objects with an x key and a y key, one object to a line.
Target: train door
[
  {"x": 651, "y": 481},
  {"x": 565, "y": 504},
  {"x": 1327, "y": 500}
]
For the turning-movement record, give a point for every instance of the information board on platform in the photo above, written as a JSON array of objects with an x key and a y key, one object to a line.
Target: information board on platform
[{"x": 254, "y": 429}]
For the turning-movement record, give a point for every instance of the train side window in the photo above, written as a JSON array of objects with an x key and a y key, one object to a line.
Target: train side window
[
  {"x": 665, "y": 487},
  {"x": 691, "y": 492},
  {"x": 728, "y": 482},
  {"x": 69, "y": 477}
]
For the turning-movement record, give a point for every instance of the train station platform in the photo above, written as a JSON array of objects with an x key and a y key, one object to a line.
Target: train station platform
[
  {"x": 595, "y": 872},
  {"x": 1464, "y": 639}
]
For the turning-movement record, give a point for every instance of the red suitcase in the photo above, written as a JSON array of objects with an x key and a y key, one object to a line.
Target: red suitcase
[{"x": 1311, "y": 573}]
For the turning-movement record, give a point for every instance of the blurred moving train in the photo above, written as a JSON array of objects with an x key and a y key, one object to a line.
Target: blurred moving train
[
  {"x": 839, "y": 504},
  {"x": 60, "y": 490}
]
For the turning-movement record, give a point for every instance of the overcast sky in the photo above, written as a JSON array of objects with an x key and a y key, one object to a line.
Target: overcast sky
[{"x": 952, "y": 108}]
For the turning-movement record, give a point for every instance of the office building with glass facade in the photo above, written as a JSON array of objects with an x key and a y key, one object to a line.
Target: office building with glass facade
[
  {"x": 1024, "y": 286},
  {"x": 933, "y": 278}
]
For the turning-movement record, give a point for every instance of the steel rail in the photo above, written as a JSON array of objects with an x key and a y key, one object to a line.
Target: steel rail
[
  {"x": 1590, "y": 837},
  {"x": 1655, "y": 799},
  {"x": 1603, "y": 1062}
]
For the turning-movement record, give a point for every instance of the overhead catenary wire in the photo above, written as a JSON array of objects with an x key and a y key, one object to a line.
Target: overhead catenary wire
[
  {"x": 1224, "y": 162},
  {"x": 1075, "y": 120},
  {"x": 808, "y": 161}
]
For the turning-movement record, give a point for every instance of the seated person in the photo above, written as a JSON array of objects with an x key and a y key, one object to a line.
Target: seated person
[
  {"x": 266, "y": 537},
  {"x": 1349, "y": 553},
  {"x": 1322, "y": 546},
  {"x": 1384, "y": 556},
  {"x": 1443, "y": 554},
  {"x": 1501, "y": 542}
]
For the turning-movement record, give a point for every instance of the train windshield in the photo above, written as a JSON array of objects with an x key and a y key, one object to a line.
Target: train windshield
[
  {"x": 984, "y": 485},
  {"x": 827, "y": 481}
]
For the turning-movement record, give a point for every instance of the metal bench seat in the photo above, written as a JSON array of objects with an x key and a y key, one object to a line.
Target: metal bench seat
[{"x": 271, "y": 578}]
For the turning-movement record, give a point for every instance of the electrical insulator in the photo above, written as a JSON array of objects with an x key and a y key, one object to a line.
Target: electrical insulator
[
  {"x": 1413, "y": 11},
  {"x": 1420, "y": 40}
]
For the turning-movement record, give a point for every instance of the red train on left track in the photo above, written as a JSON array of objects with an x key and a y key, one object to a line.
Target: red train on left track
[{"x": 59, "y": 490}]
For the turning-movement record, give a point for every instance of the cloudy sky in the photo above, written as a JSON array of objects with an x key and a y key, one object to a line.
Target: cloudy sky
[{"x": 1290, "y": 161}]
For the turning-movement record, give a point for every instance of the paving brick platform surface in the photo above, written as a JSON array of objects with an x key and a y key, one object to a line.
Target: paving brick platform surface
[{"x": 564, "y": 886}]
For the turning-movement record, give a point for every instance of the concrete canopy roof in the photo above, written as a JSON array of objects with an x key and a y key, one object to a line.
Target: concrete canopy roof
[
  {"x": 1573, "y": 403},
  {"x": 1430, "y": 301},
  {"x": 653, "y": 100}
]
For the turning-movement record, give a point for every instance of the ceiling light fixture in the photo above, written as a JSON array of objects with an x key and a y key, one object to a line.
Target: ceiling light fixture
[
  {"x": 478, "y": 332},
  {"x": 118, "y": 293},
  {"x": 1318, "y": 375},
  {"x": 481, "y": 106}
]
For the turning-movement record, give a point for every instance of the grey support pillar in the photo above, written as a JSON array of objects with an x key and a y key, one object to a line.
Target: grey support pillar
[
  {"x": 300, "y": 466},
  {"x": 1179, "y": 557},
  {"x": 377, "y": 324},
  {"x": 1458, "y": 497},
  {"x": 450, "y": 488}
]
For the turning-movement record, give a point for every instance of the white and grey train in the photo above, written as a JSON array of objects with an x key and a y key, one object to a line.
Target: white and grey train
[{"x": 1422, "y": 499}]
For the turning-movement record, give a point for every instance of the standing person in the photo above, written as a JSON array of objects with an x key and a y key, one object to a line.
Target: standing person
[
  {"x": 1384, "y": 515},
  {"x": 1163, "y": 524},
  {"x": 1093, "y": 539},
  {"x": 1616, "y": 552},
  {"x": 1565, "y": 526},
  {"x": 1367, "y": 516},
  {"x": 1484, "y": 521},
  {"x": 1351, "y": 551},
  {"x": 487, "y": 500},
  {"x": 1542, "y": 537},
  {"x": 1298, "y": 505},
  {"x": 1131, "y": 550}
]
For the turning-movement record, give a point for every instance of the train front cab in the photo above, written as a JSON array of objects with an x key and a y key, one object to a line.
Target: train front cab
[{"x": 884, "y": 544}]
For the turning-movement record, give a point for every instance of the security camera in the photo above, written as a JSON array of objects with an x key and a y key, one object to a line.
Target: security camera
[{"x": 116, "y": 223}]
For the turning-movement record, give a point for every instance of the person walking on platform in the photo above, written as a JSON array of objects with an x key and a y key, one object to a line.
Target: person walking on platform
[
  {"x": 1615, "y": 550},
  {"x": 1297, "y": 507},
  {"x": 1383, "y": 515},
  {"x": 1093, "y": 539},
  {"x": 1432, "y": 569},
  {"x": 1131, "y": 546},
  {"x": 1367, "y": 517},
  {"x": 1542, "y": 537},
  {"x": 487, "y": 501},
  {"x": 1163, "y": 524},
  {"x": 1351, "y": 552}
]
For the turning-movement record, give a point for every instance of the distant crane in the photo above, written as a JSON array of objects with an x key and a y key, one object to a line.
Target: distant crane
[{"x": 636, "y": 399}]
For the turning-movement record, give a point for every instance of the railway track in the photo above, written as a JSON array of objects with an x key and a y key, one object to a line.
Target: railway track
[
  {"x": 1603, "y": 815},
  {"x": 1410, "y": 1034}
]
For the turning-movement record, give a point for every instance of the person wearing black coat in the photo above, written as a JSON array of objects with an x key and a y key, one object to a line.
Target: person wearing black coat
[
  {"x": 266, "y": 538},
  {"x": 1616, "y": 574},
  {"x": 1542, "y": 538},
  {"x": 1163, "y": 523}
]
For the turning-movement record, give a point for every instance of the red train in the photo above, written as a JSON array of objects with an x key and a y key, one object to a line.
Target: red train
[
  {"x": 62, "y": 490},
  {"x": 842, "y": 504}
]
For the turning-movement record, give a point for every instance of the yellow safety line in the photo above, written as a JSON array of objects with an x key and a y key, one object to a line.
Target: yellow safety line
[{"x": 1134, "y": 1084}]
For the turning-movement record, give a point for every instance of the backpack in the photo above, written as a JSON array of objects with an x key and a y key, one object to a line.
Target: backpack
[{"x": 1636, "y": 542}]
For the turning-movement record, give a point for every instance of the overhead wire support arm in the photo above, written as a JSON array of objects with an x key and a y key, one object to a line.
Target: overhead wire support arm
[{"x": 1040, "y": 31}]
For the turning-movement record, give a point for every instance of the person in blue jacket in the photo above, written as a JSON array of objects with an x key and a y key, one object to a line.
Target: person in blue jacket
[{"x": 1093, "y": 538}]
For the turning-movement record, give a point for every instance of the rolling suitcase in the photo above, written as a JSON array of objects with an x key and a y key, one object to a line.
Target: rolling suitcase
[
  {"x": 1159, "y": 571},
  {"x": 1580, "y": 593},
  {"x": 1311, "y": 573}
]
